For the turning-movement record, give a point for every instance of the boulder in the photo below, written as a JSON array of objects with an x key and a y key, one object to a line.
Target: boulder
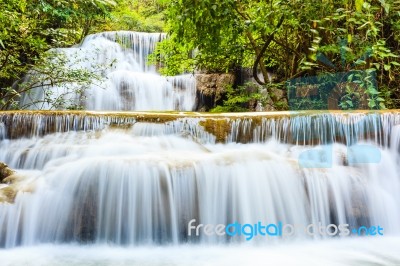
[
  {"x": 7, "y": 194},
  {"x": 210, "y": 89},
  {"x": 5, "y": 171}
]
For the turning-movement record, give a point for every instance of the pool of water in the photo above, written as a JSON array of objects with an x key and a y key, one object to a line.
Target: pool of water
[{"x": 352, "y": 251}]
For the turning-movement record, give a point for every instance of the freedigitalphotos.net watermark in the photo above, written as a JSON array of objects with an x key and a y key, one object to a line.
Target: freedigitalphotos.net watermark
[{"x": 279, "y": 229}]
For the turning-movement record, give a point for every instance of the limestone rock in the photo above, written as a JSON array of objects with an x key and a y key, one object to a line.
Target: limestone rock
[
  {"x": 210, "y": 89},
  {"x": 5, "y": 171},
  {"x": 7, "y": 194}
]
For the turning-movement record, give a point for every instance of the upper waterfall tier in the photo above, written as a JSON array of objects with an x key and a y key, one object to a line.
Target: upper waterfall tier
[
  {"x": 138, "y": 44},
  {"x": 128, "y": 81}
]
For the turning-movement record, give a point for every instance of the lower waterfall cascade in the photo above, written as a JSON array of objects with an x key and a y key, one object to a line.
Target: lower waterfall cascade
[{"x": 124, "y": 180}]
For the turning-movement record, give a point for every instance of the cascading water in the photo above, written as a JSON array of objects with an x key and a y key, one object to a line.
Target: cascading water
[
  {"x": 134, "y": 179},
  {"x": 131, "y": 188},
  {"x": 128, "y": 82}
]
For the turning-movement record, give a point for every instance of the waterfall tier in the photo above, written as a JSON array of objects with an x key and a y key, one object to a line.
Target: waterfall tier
[
  {"x": 127, "y": 80},
  {"x": 301, "y": 128},
  {"x": 140, "y": 178}
]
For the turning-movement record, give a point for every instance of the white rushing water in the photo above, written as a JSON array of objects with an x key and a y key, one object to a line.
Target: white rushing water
[
  {"x": 135, "y": 188},
  {"x": 128, "y": 81},
  {"x": 354, "y": 252},
  {"x": 141, "y": 185}
]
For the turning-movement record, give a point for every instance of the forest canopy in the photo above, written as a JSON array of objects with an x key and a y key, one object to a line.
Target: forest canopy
[{"x": 291, "y": 39}]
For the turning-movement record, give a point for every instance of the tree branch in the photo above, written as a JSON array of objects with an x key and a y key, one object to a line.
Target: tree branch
[{"x": 263, "y": 49}]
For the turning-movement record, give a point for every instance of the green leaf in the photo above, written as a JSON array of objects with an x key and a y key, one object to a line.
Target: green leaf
[
  {"x": 385, "y": 5},
  {"x": 360, "y": 62},
  {"x": 359, "y": 5},
  {"x": 350, "y": 103},
  {"x": 371, "y": 104},
  {"x": 373, "y": 91}
]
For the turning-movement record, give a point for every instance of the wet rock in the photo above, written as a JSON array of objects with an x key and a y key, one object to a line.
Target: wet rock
[
  {"x": 268, "y": 105},
  {"x": 11, "y": 179},
  {"x": 220, "y": 128},
  {"x": 210, "y": 89},
  {"x": 5, "y": 172},
  {"x": 8, "y": 194}
]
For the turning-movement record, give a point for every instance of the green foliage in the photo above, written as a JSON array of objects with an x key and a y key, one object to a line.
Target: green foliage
[
  {"x": 218, "y": 36},
  {"x": 203, "y": 35},
  {"x": 239, "y": 99},
  {"x": 61, "y": 70},
  {"x": 139, "y": 15},
  {"x": 350, "y": 90},
  {"x": 366, "y": 81},
  {"x": 364, "y": 41},
  {"x": 30, "y": 28},
  {"x": 315, "y": 38}
]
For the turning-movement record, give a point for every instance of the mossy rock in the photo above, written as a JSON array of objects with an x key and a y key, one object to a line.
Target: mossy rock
[
  {"x": 220, "y": 128},
  {"x": 11, "y": 179},
  {"x": 5, "y": 171},
  {"x": 8, "y": 194}
]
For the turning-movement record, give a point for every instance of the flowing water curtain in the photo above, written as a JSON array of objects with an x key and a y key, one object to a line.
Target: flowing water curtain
[
  {"x": 133, "y": 186},
  {"x": 117, "y": 77}
]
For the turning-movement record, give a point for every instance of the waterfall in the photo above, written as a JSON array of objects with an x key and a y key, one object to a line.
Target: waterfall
[
  {"x": 140, "y": 178},
  {"x": 126, "y": 183},
  {"x": 301, "y": 128},
  {"x": 127, "y": 81}
]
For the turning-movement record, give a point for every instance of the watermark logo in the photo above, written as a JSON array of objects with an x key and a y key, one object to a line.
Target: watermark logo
[
  {"x": 249, "y": 231},
  {"x": 342, "y": 92}
]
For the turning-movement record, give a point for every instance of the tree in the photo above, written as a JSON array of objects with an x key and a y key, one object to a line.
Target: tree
[
  {"x": 30, "y": 28},
  {"x": 136, "y": 15},
  {"x": 57, "y": 81},
  {"x": 359, "y": 36},
  {"x": 285, "y": 37}
]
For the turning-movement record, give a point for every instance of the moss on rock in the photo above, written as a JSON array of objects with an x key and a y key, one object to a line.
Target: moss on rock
[
  {"x": 8, "y": 194},
  {"x": 5, "y": 171},
  {"x": 220, "y": 128}
]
